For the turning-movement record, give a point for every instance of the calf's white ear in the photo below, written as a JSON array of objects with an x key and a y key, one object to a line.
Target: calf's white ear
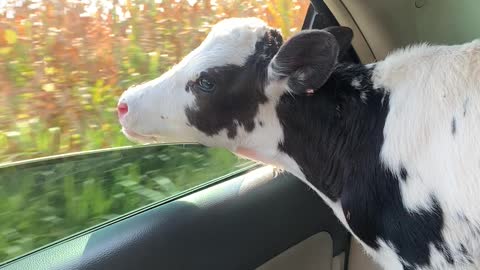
[{"x": 308, "y": 59}]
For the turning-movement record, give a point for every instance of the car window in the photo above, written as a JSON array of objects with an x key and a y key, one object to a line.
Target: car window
[{"x": 64, "y": 164}]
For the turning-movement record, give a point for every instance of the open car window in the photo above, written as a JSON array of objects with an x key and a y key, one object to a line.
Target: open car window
[
  {"x": 48, "y": 199},
  {"x": 63, "y": 65}
]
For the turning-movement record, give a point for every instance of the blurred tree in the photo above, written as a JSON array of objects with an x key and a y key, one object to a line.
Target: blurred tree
[{"x": 63, "y": 64}]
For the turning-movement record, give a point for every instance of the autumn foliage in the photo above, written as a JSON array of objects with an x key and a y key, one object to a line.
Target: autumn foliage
[{"x": 64, "y": 63}]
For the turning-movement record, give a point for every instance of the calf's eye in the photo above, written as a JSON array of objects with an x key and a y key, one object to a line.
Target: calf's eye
[{"x": 205, "y": 84}]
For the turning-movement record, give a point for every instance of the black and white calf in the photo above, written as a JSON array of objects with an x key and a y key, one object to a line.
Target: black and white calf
[{"x": 392, "y": 146}]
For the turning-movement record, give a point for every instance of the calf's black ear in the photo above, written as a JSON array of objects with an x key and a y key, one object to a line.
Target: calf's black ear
[
  {"x": 308, "y": 59},
  {"x": 343, "y": 35}
]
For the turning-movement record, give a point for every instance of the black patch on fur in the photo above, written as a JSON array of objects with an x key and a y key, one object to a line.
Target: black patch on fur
[
  {"x": 260, "y": 123},
  {"x": 463, "y": 218},
  {"x": 336, "y": 140},
  {"x": 465, "y": 103},
  {"x": 330, "y": 124},
  {"x": 403, "y": 173},
  {"x": 447, "y": 254},
  {"x": 466, "y": 255},
  {"x": 238, "y": 92},
  {"x": 454, "y": 126}
]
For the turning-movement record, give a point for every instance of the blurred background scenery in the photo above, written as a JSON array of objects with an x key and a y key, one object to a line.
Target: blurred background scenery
[{"x": 63, "y": 64}]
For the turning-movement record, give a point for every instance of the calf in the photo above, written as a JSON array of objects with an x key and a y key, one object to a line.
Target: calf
[{"x": 390, "y": 146}]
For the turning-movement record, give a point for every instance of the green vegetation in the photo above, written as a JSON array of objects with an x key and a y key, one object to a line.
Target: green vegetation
[
  {"x": 63, "y": 65},
  {"x": 43, "y": 201}
]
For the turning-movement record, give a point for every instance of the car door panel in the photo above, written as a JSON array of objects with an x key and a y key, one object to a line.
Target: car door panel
[{"x": 237, "y": 224}]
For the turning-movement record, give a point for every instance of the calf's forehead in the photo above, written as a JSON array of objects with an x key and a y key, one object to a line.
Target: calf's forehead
[{"x": 230, "y": 42}]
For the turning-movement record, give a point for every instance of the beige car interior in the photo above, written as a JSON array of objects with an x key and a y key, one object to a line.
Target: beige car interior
[{"x": 381, "y": 26}]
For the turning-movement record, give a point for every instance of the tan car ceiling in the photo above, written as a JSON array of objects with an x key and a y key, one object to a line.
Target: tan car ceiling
[{"x": 381, "y": 26}]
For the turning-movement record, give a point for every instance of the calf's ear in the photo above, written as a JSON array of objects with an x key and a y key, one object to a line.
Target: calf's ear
[
  {"x": 308, "y": 59},
  {"x": 343, "y": 35}
]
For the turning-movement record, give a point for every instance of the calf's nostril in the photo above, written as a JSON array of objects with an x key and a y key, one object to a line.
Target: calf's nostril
[{"x": 122, "y": 109}]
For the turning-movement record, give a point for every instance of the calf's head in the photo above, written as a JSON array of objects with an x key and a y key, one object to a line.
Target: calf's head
[{"x": 224, "y": 93}]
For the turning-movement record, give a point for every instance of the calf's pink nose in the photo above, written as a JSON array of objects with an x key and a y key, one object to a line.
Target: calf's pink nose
[{"x": 122, "y": 109}]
